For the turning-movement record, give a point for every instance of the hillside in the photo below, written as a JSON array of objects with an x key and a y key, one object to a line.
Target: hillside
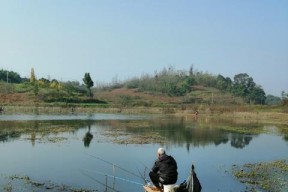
[
  {"x": 167, "y": 88},
  {"x": 16, "y": 98},
  {"x": 120, "y": 96},
  {"x": 114, "y": 100},
  {"x": 134, "y": 97}
]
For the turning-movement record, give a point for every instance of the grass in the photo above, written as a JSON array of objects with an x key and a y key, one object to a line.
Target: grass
[
  {"x": 23, "y": 87},
  {"x": 210, "y": 95},
  {"x": 258, "y": 117}
]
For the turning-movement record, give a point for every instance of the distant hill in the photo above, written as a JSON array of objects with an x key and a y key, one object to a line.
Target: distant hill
[{"x": 167, "y": 87}]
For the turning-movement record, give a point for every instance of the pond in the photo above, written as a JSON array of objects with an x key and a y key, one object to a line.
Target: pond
[{"x": 113, "y": 152}]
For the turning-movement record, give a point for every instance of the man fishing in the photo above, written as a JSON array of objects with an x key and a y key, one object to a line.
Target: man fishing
[{"x": 164, "y": 171}]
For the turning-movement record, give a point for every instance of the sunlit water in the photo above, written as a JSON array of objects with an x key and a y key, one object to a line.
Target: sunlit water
[{"x": 72, "y": 162}]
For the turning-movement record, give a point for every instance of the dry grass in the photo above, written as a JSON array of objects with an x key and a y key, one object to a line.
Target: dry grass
[
  {"x": 16, "y": 99},
  {"x": 259, "y": 117},
  {"x": 115, "y": 96}
]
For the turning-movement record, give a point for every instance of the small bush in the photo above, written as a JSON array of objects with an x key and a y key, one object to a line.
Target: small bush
[
  {"x": 23, "y": 87},
  {"x": 6, "y": 87}
]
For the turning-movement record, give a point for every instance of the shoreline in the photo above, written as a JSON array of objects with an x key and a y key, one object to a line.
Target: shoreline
[{"x": 261, "y": 116}]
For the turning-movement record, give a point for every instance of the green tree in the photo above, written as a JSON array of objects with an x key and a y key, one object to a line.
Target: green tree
[
  {"x": 245, "y": 87},
  {"x": 88, "y": 83},
  {"x": 242, "y": 85},
  {"x": 284, "y": 95},
  {"x": 257, "y": 95},
  {"x": 32, "y": 76},
  {"x": 36, "y": 88},
  {"x": 43, "y": 82},
  {"x": 10, "y": 76},
  {"x": 223, "y": 83},
  {"x": 191, "y": 73},
  {"x": 14, "y": 77},
  {"x": 54, "y": 84},
  {"x": 273, "y": 100}
]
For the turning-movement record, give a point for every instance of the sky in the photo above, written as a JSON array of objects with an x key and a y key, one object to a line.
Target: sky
[{"x": 122, "y": 39}]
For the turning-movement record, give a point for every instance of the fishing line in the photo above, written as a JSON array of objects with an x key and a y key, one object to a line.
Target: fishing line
[
  {"x": 145, "y": 166},
  {"x": 114, "y": 177},
  {"x": 99, "y": 182},
  {"x": 143, "y": 176},
  {"x": 116, "y": 166}
]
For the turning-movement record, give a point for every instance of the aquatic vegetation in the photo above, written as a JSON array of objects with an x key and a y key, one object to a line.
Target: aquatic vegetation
[
  {"x": 270, "y": 176},
  {"x": 7, "y": 187},
  {"x": 41, "y": 131},
  {"x": 25, "y": 183}
]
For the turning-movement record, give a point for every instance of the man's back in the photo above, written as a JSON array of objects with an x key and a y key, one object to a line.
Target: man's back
[{"x": 166, "y": 168}]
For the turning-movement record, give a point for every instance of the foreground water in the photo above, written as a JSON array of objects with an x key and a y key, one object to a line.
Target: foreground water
[{"x": 60, "y": 149}]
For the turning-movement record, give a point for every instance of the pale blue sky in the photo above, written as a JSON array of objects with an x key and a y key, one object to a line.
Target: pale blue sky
[{"x": 128, "y": 38}]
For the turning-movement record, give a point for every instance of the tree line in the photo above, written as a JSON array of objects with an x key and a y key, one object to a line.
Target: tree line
[
  {"x": 168, "y": 81},
  {"x": 46, "y": 89},
  {"x": 11, "y": 77},
  {"x": 179, "y": 83}
]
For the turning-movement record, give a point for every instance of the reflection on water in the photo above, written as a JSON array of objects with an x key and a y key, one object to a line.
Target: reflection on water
[
  {"x": 133, "y": 129},
  {"x": 169, "y": 131},
  {"x": 42, "y": 145},
  {"x": 87, "y": 137}
]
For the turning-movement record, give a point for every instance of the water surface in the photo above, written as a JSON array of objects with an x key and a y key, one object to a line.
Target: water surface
[{"x": 60, "y": 149}]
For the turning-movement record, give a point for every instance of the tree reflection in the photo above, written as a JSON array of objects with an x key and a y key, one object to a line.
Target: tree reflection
[
  {"x": 189, "y": 133},
  {"x": 8, "y": 135},
  {"x": 240, "y": 141},
  {"x": 178, "y": 131},
  {"x": 283, "y": 130},
  {"x": 4, "y": 137},
  {"x": 11, "y": 130},
  {"x": 35, "y": 127},
  {"x": 33, "y": 138},
  {"x": 87, "y": 137}
]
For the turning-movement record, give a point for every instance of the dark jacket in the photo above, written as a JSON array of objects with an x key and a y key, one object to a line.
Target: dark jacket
[{"x": 166, "y": 168}]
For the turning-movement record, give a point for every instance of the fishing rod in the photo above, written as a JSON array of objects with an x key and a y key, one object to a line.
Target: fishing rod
[
  {"x": 145, "y": 166},
  {"x": 116, "y": 166},
  {"x": 143, "y": 176},
  {"x": 105, "y": 185},
  {"x": 115, "y": 177}
]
